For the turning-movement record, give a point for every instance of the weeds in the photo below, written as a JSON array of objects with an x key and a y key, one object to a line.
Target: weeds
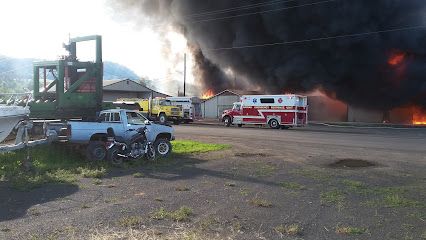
[
  {"x": 58, "y": 164},
  {"x": 97, "y": 181},
  {"x": 335, "y": 197},
  {"x": 91, "y": 173},
  {"x": 350, "y": 230},
  {"x": 138, "y": 175},
  {"x": 182, "y": 188},
  {"x": 292, "y": 229},
  {"x": 354, "y": 185},
  {"x": 264, "y": 169},
  {"x": 208, "y": 223},
  {"x": 244, "y": 191},
  {"x": 259, "y": 202},
  {"x": 313, "y": 174},
  {"x": 180, "y": 215},
  {"x": 130, "y": 222},
  {"x": 396, "y": 200},
  {"x": 292, "y": 185}
]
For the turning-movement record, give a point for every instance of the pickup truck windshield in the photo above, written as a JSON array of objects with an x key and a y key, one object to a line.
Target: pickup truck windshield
[{"x": 135, "y": 118}]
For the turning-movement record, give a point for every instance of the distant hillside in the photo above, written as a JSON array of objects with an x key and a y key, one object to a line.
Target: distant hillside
[
  {"x": 16, "y": 74},
  {"x": 117, "y": 71}
]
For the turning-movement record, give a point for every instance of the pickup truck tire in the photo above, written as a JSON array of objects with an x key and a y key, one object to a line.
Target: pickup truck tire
[
  {"x": 162, "y": 118},
  {"x": 113, "y": 158},
  {"x": 227, "y": 121},
  {"x": 96, "y": 151},
  {"x": 163, "y": 147}
]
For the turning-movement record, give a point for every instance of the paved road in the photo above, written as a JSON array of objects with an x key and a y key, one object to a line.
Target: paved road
[{"x": 376, "y": 142}]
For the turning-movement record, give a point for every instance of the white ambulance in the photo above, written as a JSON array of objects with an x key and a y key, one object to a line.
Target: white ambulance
[{"x": 277, "y": 111}]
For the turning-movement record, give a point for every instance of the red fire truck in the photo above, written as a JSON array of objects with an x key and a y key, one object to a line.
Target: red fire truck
[{"x": 277, "y": 111}]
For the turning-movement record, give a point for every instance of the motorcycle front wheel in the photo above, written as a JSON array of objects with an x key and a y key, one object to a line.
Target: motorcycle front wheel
[
  {"x": 150, "y": 153},
  {"x": 113, "y": 156}
]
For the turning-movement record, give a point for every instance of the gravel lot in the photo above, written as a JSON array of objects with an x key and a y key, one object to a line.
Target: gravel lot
[{"x": 310, "y": 183}]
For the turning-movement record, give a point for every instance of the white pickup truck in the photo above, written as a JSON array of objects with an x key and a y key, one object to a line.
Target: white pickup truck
[{"x": 124, "y": 122}]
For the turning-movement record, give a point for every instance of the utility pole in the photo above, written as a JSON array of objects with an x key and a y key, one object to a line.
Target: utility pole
[{"x": 184, "y": 75}]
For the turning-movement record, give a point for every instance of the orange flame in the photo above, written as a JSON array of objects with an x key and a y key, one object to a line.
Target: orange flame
[
  {"x": 419, "y": 117},
  {"x": 207, "y": 94},
  {"x": 396, "y": 59}
]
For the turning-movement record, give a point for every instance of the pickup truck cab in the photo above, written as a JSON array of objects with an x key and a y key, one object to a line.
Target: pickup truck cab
[{"x": 124, "y": 122}]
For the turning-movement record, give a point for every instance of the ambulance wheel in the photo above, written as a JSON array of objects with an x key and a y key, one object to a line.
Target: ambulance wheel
[
  {"x": 227, "y": 121},
  {"x": 240, "y": 125},
  {"x": 273, "y": 123}
]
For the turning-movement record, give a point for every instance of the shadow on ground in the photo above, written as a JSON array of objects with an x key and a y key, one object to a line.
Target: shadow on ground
[{"x": 15, "y": 203}]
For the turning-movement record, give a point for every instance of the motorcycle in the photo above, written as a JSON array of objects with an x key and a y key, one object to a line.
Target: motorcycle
[{"x": 135, "y": 148}]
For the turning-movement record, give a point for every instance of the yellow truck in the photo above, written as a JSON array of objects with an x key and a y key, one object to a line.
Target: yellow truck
[{"x": 156, "y": 109}]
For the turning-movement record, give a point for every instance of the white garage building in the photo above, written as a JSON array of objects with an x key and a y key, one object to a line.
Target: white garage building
[{"x": 214, "y": 106}]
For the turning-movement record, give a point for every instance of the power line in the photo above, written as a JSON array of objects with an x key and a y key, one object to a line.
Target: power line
[
  {"x": 265, "y": 11},
  {"x": 321, "y": 38},
  {"x": 238, "y": 8}
]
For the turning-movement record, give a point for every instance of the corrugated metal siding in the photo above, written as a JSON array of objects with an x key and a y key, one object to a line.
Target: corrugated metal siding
[{"x": 214, "y": 107}]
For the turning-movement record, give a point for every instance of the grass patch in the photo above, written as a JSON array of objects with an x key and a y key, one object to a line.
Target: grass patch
[
  {"x": 335, "y": 197},
  {"x": 354, "y": 185},
  {"x": 189, "y": 147},
  {"x": 138, "y": 175},
  {"x": 91, "y": 173},
  {"x": 182, "y": 188},
  {"x": 59, "y": 164},
  {"x": 130, "y": 222},
  {"x": 292, "y": 185},
  {"x": 393, "y": 197},
  {"x": 346, "y": 230},
  {"x": 175, "y": 233},
  {"x": 97, "y": 181},
  {"x": 51, "y": 164},
  {"x": 292, "y": 229},
  {"x": 208, "y": 223},
  {"x": 180, "y": 215},
  {"x": 395, "y": 200},
  {"x": 264, "y": 169},
  {"x": 259, "y": 202},
  {"x": 313, "y": 174},
  {"x": 258, "y": 168},
  {"x": 244, "y": 191}
]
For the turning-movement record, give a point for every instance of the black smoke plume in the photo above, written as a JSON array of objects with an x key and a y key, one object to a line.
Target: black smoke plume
[{"x": 360, "y": 70}]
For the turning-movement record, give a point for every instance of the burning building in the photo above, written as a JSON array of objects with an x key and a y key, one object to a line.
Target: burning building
[{"x": 366, "y": 54}]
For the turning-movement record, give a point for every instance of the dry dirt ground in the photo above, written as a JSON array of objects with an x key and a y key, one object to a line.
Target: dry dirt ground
[{"x": 312, "y": 183}]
